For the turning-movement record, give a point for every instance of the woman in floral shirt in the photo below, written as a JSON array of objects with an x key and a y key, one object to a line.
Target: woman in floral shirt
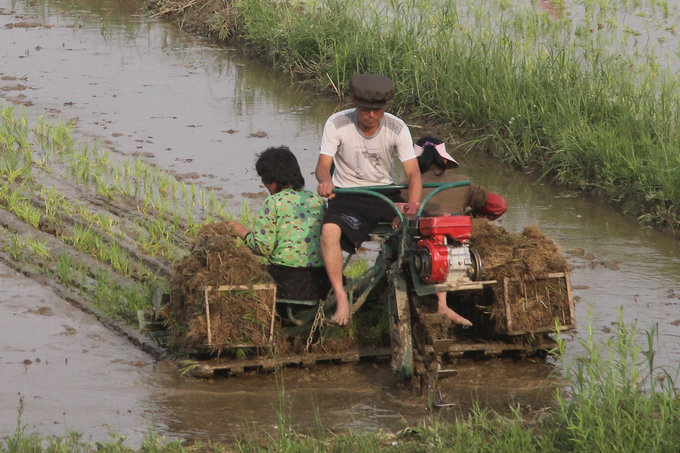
[{"x": 287, "y": 229}]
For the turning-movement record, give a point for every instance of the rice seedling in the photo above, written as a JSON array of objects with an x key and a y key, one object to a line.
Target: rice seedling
[
  {"x": 357, "y": 267},
  {"x": 151, "y": 247},
  {"x": 246, "y": 216},
  {"x": 11, "y": 198},
  {"x": 187, "y": 366},
  {"x": 84, "y": 239},
  {"x": 4, "y": 193},
  {"x": 192, "y": 230},
  {"x": 38, "y": 248},
  {"x": 11, "y": 166},
  {"x": 65, "y": 268},
  {"x": 116, "y": 257},
  {"x": 16, "y": 247},
  {"x": 105, "y": 190},
  {"x": 158, "y": 234},
  {"x": 26, "y": 211},
  {"x": 114, "y": 300}
]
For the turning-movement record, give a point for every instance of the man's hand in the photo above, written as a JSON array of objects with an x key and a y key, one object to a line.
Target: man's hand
[
  {"x": 323, "y": 175},
  {"x": 325, "y": 189},
  {"x": 396, "y": 223}
]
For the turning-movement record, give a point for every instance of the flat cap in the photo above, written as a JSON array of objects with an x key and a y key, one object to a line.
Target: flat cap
[{"x": 371, "y": 91}]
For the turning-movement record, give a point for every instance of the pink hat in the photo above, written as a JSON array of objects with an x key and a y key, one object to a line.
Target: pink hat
[{"x": 426, "y": 142}]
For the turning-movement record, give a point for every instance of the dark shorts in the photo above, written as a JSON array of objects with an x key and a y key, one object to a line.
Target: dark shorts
[
  {"x": 300, "y": 283},
  {"x": 358, "y": 215}
]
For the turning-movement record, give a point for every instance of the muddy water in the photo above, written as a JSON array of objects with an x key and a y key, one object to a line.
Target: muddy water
[
  {"x": 52, "y": 354},
  {"x": 69, "y": 373},
  {"x": 148, "y": 90},
  {"x": 202, "y": 111}
]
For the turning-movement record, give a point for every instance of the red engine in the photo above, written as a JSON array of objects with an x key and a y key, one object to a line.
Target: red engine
[{"x": 443, "y": 253}]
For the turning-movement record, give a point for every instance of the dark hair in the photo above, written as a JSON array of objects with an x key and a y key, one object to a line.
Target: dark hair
[
  {"x": 279, "y": 165},
  {"x": 430, "y": 157}
]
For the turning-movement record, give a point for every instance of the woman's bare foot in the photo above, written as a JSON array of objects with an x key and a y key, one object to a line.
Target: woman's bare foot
[
  {"x": 444, "y": 309},
  {"x": 455, "y": 317}
]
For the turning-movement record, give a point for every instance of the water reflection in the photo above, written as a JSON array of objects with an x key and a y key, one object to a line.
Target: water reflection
[{"x": 205, "y": 114}]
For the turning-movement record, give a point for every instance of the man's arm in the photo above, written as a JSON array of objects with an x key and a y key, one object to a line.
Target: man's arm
[
  {"x": 323, "y": 175},
  {"x": 415, "y": 182}
]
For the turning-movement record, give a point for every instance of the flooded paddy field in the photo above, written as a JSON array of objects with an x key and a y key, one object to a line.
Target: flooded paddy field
[{"x": 145, "y": 90}]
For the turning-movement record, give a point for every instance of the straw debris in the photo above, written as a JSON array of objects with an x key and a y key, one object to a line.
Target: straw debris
[
  {"x": 237, "y": 317},
  {"x": 526, "y": 260}
]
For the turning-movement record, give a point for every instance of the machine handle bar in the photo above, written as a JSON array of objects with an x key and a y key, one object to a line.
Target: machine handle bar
[{"x": 373, "y": 191}]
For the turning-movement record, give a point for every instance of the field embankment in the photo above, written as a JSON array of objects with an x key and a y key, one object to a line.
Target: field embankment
[{"x": 545, "y": 94}]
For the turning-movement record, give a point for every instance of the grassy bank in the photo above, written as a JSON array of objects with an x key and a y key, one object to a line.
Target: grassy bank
[
  {"x": 546, "y": 94},
  {"x": 615, "y": 399}
]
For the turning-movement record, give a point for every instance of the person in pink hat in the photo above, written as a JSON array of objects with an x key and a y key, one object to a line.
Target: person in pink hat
[{"x": 474, "y": 200}]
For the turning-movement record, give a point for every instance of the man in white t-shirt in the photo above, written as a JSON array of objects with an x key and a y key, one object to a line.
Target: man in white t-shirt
[{"x": 361, "y": 143}]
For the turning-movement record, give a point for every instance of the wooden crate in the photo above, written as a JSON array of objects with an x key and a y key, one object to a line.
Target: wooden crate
[
  {"x": 533, "y": 304},
  {"x": 265, "y": 291}
]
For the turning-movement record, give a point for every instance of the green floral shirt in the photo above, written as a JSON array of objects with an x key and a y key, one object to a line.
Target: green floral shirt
[{"x": 287, "y": 230}]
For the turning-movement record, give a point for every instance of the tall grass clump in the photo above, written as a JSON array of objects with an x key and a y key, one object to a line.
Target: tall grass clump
[
  {"x": 565, "y": 98},
  {"x": 617, "y": 398}
]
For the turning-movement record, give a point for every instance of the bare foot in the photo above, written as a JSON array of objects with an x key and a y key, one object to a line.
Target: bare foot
[
  {"x": 341, "y": 317},
  {"x": 453, "y": 316}
]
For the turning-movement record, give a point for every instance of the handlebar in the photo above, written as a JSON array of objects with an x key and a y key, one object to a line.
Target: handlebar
[{"x": 373, "y": 191}]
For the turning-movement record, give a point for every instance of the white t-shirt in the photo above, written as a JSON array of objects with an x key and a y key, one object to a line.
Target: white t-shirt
[{"x": 360, "y": 160}]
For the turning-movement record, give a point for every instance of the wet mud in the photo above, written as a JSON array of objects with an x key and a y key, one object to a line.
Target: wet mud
[
  {"x": 145, "y": 90},
  {"x": 52, "y": 355}
]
